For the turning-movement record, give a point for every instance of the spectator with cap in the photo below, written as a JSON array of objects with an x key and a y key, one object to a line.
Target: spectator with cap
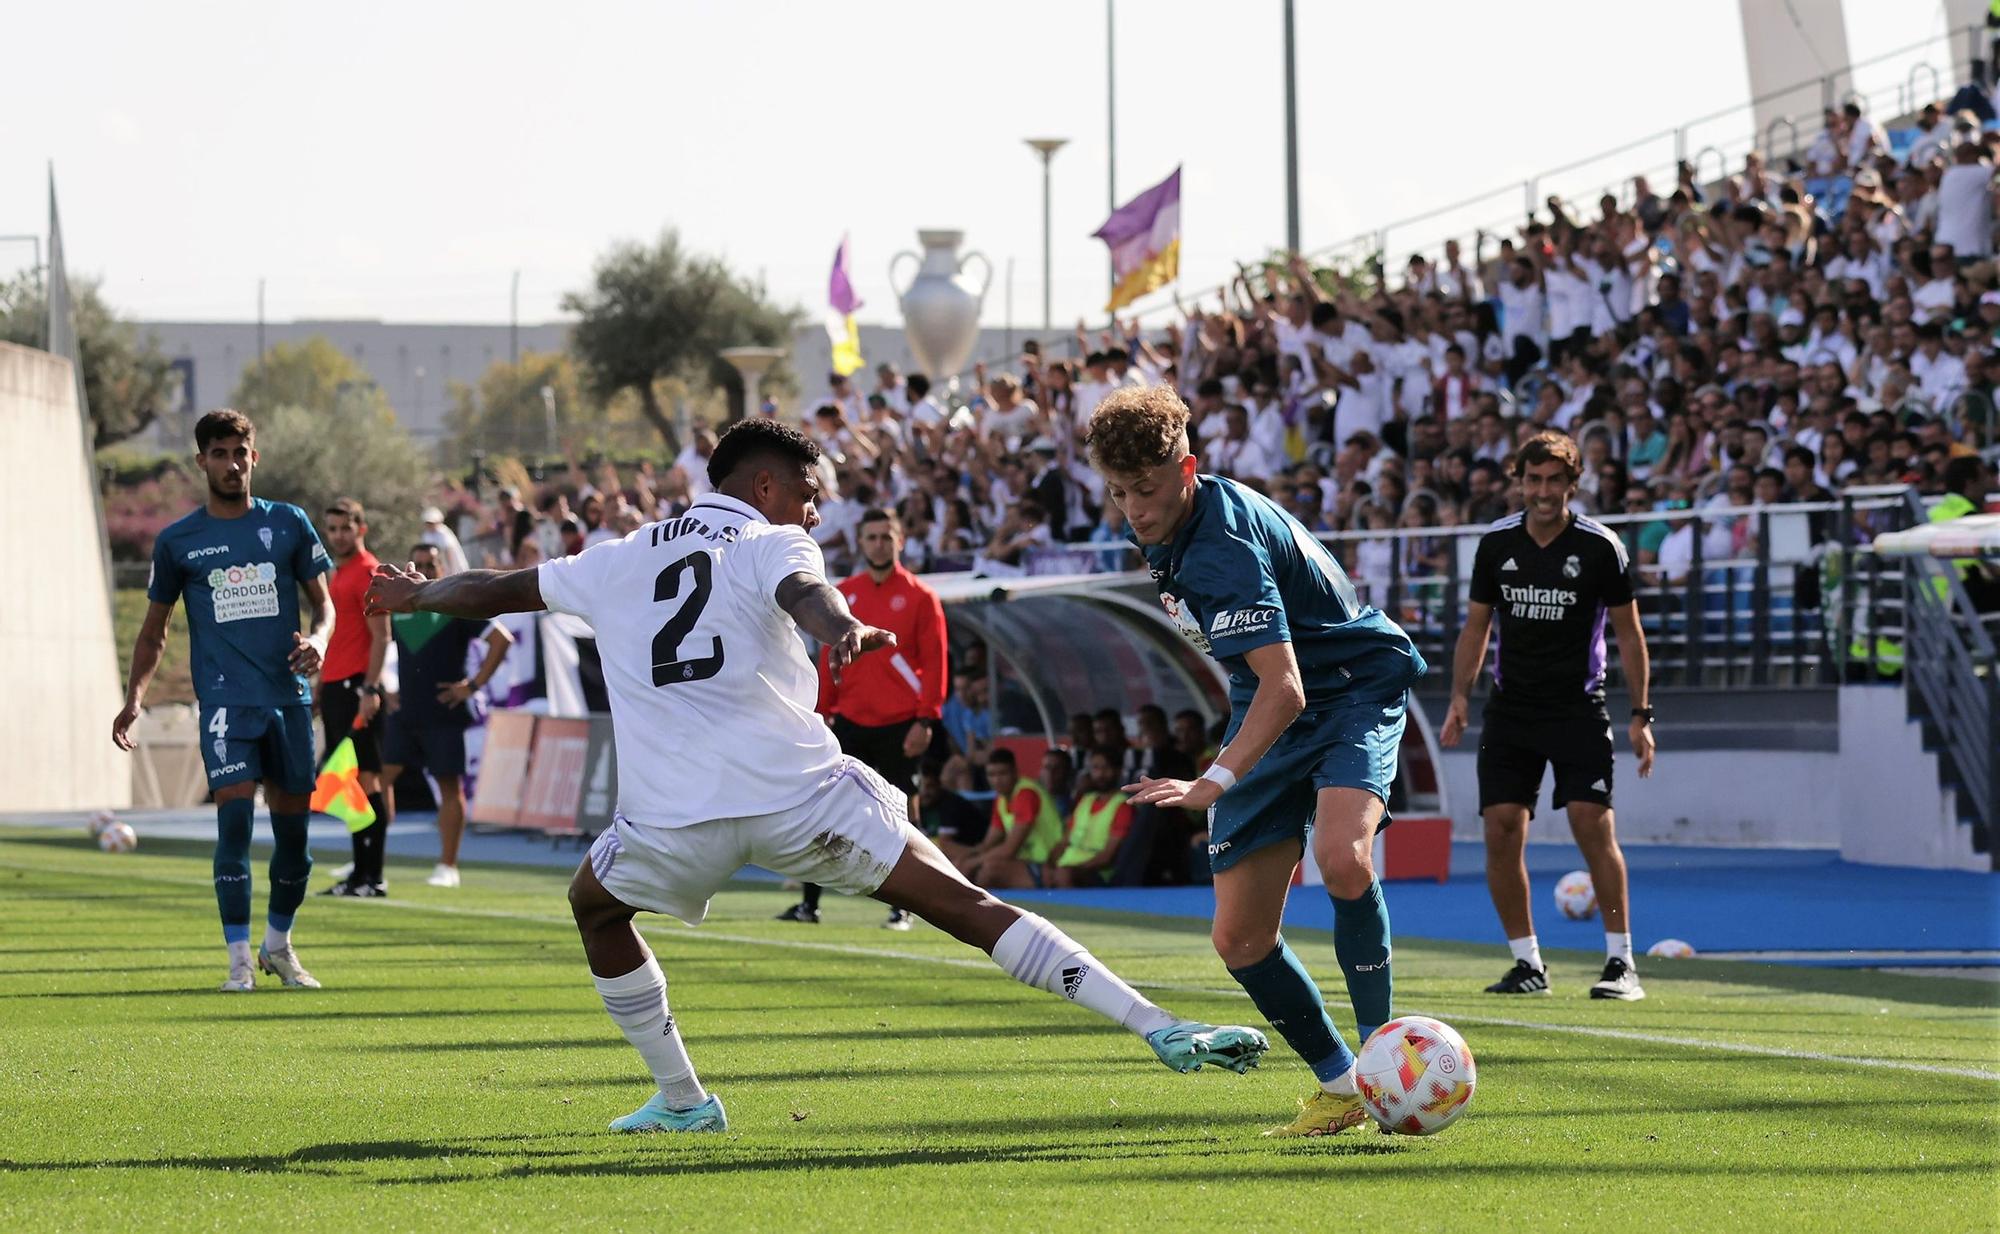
[{"x": 451, "y": 554}]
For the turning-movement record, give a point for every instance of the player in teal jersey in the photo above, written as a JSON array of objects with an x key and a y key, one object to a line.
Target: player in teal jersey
[
  {"x": 1317, "y": 684},
  {"x": 240, "y": 563}
]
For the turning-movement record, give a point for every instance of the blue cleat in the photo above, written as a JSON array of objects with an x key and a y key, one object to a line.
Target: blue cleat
[
  {"x": 656, "y": 1115},
  {"x": 1189, "y": 1044}
]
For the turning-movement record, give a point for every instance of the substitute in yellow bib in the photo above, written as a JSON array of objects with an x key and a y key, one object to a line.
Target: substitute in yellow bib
[
  {"x": 1025, "y": 829},
  {"x": 1097, "y": 827}
]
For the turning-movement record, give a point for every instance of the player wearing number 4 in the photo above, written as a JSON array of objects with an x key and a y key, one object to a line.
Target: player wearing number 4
[
  {"x": 1317, "y": 685},
  {"x": 1553, "y": 580},
  {"x": 239, "y": 563},
  {"x": 723, "y": 761}
]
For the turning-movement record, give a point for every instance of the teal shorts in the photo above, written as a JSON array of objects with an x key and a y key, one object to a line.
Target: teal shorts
[
  {"x": 1347, "y": 744},
  {"x": 271, "y": 744}
]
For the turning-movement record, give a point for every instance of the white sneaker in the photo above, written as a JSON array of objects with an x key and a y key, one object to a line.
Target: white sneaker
[
  {"x": 242, "y": 979},
  {"x": 285, "y": 966},
  {"x": 443, "y": 876}
]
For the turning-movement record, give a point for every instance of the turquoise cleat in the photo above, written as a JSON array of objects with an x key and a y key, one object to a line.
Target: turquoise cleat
[
  {"x": 656, "y": 1115},
  {"x": 1189, "y": 1044}
]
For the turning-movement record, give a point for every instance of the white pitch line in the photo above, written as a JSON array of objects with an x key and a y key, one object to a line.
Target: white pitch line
[{"x": 885, "y": 953}]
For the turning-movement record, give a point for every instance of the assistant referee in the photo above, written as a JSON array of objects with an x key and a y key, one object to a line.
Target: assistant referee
[
  {"x": 884, "y": 708},
  {"x": 1553, "y": 577}
]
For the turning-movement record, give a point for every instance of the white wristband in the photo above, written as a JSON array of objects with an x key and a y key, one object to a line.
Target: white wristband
[{"x": 1220, "y": 775}]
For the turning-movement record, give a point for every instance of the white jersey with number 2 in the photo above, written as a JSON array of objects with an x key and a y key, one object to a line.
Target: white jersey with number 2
[{"x": 712, "y": 693}]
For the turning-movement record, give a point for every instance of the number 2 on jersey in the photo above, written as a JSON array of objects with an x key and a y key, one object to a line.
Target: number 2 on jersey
[{"x": 668, "y": 668}]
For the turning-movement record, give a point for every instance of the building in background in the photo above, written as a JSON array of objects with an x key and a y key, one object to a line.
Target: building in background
[{"x": 415, "y": 363}]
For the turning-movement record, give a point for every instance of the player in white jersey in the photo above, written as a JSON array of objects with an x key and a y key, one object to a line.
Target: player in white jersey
[{"x": 722, "y": 761}]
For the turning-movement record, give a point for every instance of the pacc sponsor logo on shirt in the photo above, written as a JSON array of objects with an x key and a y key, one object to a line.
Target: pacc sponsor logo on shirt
[{"x": 1242, "y": 621}]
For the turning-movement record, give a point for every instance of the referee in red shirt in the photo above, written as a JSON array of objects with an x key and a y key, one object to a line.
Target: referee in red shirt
[
  {"x": 885, "y": 707},
  {"x": 350, "y": 692}
]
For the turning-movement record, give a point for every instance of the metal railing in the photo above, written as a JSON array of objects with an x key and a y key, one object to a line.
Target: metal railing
[
  {"x": 1794, "y": 602},
  {"x": 1727, "y": 135},
  {"x": 1953, "y": 680},
  {"x": 1791, "y": 603}
]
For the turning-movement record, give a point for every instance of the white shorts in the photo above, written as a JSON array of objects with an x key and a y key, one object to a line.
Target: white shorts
[{"x": 847, "y": 836}]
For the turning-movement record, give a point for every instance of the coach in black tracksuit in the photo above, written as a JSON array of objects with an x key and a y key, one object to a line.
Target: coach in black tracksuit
[{"x": 1555, "y": 580}]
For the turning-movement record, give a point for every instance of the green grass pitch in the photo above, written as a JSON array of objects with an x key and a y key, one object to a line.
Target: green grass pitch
[{"x": 458, "y": 1070}]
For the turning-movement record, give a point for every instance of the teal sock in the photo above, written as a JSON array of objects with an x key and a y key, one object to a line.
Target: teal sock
[
  {"x": 1284, "y": 992},
  {"x": 1361, "y": 941},
  {"x": 291, "y": 867},
  {"x": 232, "y": 866}
]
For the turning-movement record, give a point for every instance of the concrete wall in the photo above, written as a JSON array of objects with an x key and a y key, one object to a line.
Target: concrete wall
[
  {"x": 1875, "y": 796},
  {"x": 1893, "y": 811},
  {"x": 1782, "y": 51},
  {"x": 59, "y": 673},
  {"x": 1762, "y": 798},
  {"x": 413, "y": 363}
]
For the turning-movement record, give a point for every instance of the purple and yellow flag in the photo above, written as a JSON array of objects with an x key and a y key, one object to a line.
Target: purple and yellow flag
[
  {"x": 840, "y": 305},
  {"x": 1144, "y": 236}
]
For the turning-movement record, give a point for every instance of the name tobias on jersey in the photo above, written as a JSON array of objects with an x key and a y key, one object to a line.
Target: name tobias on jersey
[{"x": 1538, "y": 603}]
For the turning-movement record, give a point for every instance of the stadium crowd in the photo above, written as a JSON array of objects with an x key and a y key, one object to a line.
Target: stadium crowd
[{"x": 1770, "y": 338}]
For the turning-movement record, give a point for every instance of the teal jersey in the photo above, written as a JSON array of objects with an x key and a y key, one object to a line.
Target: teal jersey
[
  {"x": 1242, "y": 574},
  {"x": 240, "y": 578}
]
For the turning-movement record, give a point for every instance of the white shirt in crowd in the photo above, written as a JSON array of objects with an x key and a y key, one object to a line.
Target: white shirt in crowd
[
  {"x": 451, "y": 554},
  {"x": 1941, "y": 379},
  {"x": 1965, "y": 209},
  {"x": 1010, "y": 426},
  {"x": 1364, "y": 405},
  {"x": 1861, "y": 142},
  {"x": 1240, "y": 460},
  {"x": 1521, "y": 310},
  {"x": 695, "y": 468},
  {"x": 726, "y": 728},
  {"x": 1933, "y": 299},
  {"x": 1570, "y": 294}
]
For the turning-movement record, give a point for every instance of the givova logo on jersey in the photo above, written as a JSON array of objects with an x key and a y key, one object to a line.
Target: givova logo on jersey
[{"x": 244, "y": 591}]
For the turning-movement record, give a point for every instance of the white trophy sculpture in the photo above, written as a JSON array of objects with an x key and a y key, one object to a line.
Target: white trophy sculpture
[{"x": 940, "y": 308}]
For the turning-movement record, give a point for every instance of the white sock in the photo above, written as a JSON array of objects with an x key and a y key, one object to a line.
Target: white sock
[
  {"x": 1618, "y": 947},
  {"x": 1528, "y": 949},
  {"x": 1035, "y": 953},
  {"x": 638, "y": 1006},
  {"x": 1342, "y": 1084},
  {"x": 239, "y": 954},
  {"x": 276, "y": 939}
]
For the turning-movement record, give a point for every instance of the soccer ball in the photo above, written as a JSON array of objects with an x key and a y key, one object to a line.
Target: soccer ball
[
  {"x": 118, "y": 838},
  {"x": 1415, "y": 1076},
  {"x": 1575, "y": 895},
  {"x": 1671, "y": 949},
  {"x": 99, "y": 821}
]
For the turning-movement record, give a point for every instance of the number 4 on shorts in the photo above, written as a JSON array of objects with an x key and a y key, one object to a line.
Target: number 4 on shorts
[{"x": 218, "y": 723}]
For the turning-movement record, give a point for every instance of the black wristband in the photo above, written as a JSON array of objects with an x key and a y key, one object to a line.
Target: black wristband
[{"x": 1643, "y": 713}]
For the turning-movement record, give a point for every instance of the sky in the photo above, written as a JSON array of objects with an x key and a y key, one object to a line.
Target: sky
[{"x": 402, "y": 161}]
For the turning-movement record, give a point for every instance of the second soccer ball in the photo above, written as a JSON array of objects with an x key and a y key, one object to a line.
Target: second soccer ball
[{"x": 1576, "y": 898}]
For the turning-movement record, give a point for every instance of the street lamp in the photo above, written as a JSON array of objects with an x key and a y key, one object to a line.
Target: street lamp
[
  {"x": 751, "y": 363},
  {"x": 1046, "y": 147}
]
